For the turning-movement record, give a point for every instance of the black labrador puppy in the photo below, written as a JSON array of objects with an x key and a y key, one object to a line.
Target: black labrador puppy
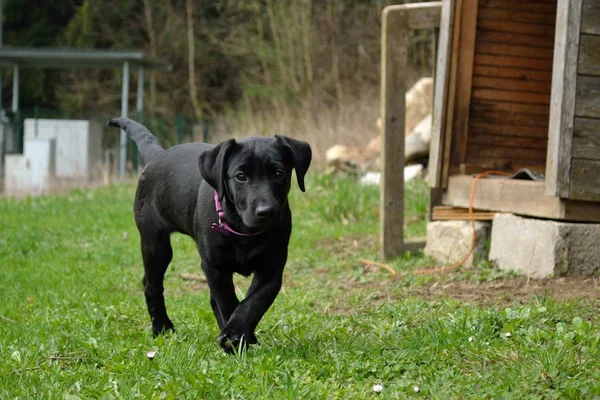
[{"x": 232, "y": 200}]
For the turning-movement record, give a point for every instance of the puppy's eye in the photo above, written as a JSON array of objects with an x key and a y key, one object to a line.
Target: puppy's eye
[
  {"x": 279, "y": 174},
  {"x": 241, "y": 177}
]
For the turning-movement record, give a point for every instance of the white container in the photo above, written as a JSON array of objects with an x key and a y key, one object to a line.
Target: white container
[
  {"x": 78, "y": 145},
  {"x": 30, "y": 173},
  {"x": 40, "y": 155},
  {"x": 17, "y": 179}
]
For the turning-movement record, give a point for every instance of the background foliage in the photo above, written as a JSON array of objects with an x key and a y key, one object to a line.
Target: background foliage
[{"x": 281, "y": 58}]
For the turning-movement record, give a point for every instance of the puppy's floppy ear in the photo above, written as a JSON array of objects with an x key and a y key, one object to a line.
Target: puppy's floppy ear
[
  {"x": 213, "y": 165},
  {"x": 301, "y": 155}
]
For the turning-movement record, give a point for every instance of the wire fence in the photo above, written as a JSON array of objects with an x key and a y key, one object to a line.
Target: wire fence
[{"x": 169, "y": 131}]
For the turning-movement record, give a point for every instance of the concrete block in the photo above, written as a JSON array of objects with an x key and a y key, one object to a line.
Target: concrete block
[
  {"x": 17, "y": 177},
  {"x": 541, "y": 248},
  {"x": 449, "y": 241},
  {"x": 30, "y": 173}
]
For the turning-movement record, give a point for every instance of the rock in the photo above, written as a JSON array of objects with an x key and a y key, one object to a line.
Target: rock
[
  {"x": 449, "y": 242},
  {"x": 418, "y": 135},
  {"x": 410, "y": 172},
  {"x": 416, "y": 145},
  {"x": 371, "y": 178},
  {"x": 346, "y": 159},
  {"x": 419, "y": 102}
]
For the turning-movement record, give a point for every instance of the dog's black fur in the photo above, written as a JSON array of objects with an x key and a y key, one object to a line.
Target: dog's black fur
[{"x": 175, "y": 193}]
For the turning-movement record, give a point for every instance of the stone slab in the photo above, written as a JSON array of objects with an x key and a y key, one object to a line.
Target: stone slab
[{"x": 542, "y": 248}]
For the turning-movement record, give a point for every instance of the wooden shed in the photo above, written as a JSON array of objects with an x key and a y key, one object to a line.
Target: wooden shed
[{"x": 517, "y": 85}]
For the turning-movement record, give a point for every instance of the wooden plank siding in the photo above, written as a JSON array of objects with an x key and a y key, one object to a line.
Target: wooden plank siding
[
  {"x": 590, "y": 18},
  {"x": 589, "y": 55},
  {"x": 585, "y": 162},
  {"x": 520, "y": 197},
  {"x": 562, "y": 107},
  {"x": 510, "y": 89},
  {"x": 440, "y": 95},
  {"x": 464, "y": 79}
]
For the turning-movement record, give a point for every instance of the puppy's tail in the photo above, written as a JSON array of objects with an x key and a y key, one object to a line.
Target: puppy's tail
[{"x": 145, "y": 141}]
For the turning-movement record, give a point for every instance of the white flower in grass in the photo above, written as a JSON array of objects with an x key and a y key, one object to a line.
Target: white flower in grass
[
  {"x": 471, "y": 338},
  {"x": 151, "y": 355},
  {"x": 508, "y": 334},
  {"x": 416, "y": 389},
  {"x": 377, "y": 388}
]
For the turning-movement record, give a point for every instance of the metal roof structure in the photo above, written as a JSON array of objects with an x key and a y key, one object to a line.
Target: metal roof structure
[
  {"x": 77, "y": 58},
  {"x": 69, "y": 58}
]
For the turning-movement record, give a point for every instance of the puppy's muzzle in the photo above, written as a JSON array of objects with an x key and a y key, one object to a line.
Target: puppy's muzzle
[{"x": 266, "y": 211}]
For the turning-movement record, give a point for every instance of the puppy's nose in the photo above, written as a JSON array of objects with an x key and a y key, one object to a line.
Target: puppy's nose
[{"x": 265, "y": 211}]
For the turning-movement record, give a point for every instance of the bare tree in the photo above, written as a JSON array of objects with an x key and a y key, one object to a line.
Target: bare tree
[
  {"x": 335, "y": 63},
  {"x": 192, "y": 61},
  {"x": 153, "y": 51}
]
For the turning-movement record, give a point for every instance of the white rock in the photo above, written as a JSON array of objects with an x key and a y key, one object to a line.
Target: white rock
[{"x": 449, "y": 241}]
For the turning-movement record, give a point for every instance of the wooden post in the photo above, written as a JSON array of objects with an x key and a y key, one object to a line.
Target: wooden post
[
  {"x": 397, "y": 20},
  {"x": 393, "y": 88}
]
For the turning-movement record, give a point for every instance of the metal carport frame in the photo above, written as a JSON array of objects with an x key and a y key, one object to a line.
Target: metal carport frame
[{"x": 79, "y": 58}]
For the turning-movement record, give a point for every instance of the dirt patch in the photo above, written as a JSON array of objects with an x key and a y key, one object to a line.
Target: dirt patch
[
  {"x": 509, "y": 290},
  {"x": 461, "y": 285},
  {"x": 348, "y": 245},
  {"x": 499, "y": 293}
]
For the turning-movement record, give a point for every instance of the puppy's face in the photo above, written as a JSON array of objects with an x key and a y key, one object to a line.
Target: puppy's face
[
  {"x": 258, "y": 182},
  {"x": 256, "y": 175}
]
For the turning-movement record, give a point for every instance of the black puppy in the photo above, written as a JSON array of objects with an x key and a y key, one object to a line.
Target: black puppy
[{"x": 232, "y": 200}]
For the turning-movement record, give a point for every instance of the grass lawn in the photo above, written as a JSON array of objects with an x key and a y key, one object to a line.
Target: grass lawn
[{"x": 73, "y": 322}]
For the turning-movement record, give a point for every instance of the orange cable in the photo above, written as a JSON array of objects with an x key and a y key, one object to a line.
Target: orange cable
[
  {"x": 457, "y": 265},
  {"x": 378, "y": 264}
]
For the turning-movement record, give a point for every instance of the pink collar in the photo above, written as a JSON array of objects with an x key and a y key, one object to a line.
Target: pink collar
[{"x": 223, "y": 227}]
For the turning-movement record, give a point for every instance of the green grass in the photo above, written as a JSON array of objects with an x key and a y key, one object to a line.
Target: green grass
[{"x": 73, "y": 321}]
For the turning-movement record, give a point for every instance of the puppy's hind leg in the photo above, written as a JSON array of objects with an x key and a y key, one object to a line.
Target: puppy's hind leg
[{"x": 157, "y": 254}]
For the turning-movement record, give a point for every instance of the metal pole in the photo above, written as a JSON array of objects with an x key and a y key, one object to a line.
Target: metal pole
[
  {"x": 15, "y": 88},
  {"x": 15, "y": 109},
  {"x": 2, "y": 131},
  {"x": 1, "y": 44},
  {"x": 140, "y": 96},
  {"x": 140, "y": 113},
  {"x": 124, "y": 103}
]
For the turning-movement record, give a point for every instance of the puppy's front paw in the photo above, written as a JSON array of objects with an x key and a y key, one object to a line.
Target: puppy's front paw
[
  {"x": 162, "y": 327},
  {"x": 232, "y": 340}
]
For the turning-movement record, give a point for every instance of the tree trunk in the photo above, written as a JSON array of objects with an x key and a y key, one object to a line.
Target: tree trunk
[
  {"x": 278, "y": 44},
  {"x": 335, "y": 64},
  {"x": 306, "y": 41},
  {"x": 191, "y": 61},
  {"x": 153, "y": 52}
]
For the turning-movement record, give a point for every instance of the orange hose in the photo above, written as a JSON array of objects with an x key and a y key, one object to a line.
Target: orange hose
[{"x": 457, "y": 265}]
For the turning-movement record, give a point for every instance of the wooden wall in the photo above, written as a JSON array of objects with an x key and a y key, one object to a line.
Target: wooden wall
[
  {"x": 585, "y": 162},
  {"x": 511, "y": 83}
]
